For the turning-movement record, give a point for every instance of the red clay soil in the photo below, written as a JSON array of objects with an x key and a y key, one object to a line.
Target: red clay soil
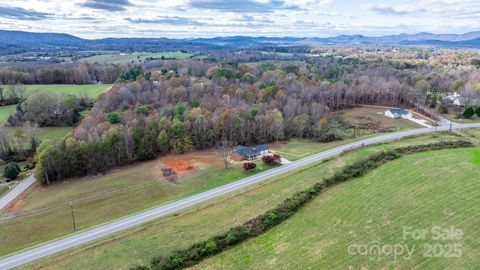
[
  {"x": 179, "y": 165},
  {"x": 19, "y": 202},
  {"x": 16, "y": 205},
  {"x": 189, "y": 162}
]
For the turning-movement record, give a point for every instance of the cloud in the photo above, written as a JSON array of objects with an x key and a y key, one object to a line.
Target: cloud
[
  {"x": 384, "y": 9},
  {"x": 22, "y": 14},
  {"x": 172, "y": 20},
  {"x": 108, "y": 5},
  {"x": 251, "y": 6}
]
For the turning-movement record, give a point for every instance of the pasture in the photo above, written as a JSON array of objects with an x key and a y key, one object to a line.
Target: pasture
[
  {"x": 90, "y": 90},
  {"x": 117, "y": 58}
]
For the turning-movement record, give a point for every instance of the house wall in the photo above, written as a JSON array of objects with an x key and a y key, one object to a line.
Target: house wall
[
  {"x": 408, "y": 115},
  {"x": 389, "y": 114},
  {"x": 235, "y": 156}
]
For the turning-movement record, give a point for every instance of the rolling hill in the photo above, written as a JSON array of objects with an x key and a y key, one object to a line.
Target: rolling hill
[{"x": 18, "y": 42}]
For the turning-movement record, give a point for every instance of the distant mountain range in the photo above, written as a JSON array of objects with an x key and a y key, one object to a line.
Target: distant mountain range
[{"x": 18, "y": 41}]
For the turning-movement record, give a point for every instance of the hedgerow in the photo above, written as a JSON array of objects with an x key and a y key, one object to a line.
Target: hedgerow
[{"x": 192, "y": 255}]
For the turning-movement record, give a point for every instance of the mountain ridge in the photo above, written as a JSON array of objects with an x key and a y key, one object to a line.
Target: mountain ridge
[{"x": 20, "y": 41}]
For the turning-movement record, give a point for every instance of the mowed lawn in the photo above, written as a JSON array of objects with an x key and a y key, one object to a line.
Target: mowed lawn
[
  {"x": 197, "y": 223},
  {"x": 91, "y": 90},
  {"x": 116, "y": 58},
  {"x": 421, "y": 191}
]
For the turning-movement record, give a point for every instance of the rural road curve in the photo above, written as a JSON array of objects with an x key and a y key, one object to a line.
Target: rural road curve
[
  {"x": 11, "y": 195},
  {"x": 128, "y": 222}
]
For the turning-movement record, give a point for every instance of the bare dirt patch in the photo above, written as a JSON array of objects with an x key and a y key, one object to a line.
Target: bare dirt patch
[
  {"x": 19, "y": 202},
  {"x": 173, "y": 166}
]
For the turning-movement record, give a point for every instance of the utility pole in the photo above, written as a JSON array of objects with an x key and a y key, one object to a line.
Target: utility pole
[
  {"x": 355, "y": 129},
  {"x": 73, "y": 217},
  {"x": 450, "y": 126}
]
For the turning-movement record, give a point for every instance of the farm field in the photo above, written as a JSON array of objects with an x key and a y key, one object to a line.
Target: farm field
[
  {"x": 91, "y": 90},
  {"x": 116, "y": 58},
  {"x": 375, "y": 208},
  {"x": 179, "y": 230}
]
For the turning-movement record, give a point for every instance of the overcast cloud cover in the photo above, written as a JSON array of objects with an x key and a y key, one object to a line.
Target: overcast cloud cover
[{"x": 209, "y": 18}]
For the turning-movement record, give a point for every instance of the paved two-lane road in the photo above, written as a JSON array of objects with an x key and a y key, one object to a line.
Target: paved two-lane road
[
  {"x": 9, "y": 197},
  {"x": 128, "y": 222}
]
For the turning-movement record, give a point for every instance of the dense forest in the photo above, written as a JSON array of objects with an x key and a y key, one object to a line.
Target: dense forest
[{"x": 178, "y": 106}]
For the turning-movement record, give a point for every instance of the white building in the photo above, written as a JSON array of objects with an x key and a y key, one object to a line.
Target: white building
[
  {"x": 398, "y": 113},
  {"x": 456, "y": 99}
]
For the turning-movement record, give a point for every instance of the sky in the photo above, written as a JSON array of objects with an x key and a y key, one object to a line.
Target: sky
[{"x": 210, "y": 18}]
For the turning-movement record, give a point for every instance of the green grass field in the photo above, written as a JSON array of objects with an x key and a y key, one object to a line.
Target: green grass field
[
  {"x": 374, "y": 209},
  {"x": 5, "y": 112},
  {"x": 179, "y": 230},
  {"x": 116, "y": 58},
  {"x": 91, "y": 90}
]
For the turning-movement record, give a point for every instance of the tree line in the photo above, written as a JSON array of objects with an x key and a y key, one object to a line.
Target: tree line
[{"x": 69, "y": 73}]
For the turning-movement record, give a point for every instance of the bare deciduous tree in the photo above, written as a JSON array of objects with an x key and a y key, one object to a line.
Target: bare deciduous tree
[{"x": 223, "y": 150}]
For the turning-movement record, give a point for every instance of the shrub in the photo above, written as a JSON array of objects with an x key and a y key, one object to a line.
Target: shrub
[
  {"x": 442, "y": 109},
  {"x": 114, "y": 118},
  {"x": 477, "y": 111},
  {"x": 248, "y": 166},
  {"x": 468, "y": 113},
  {"x": 12, "y": 170},
  {"x": 272, "y": 159}
]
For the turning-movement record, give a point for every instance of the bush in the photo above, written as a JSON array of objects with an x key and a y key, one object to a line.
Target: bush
[
  {"x": 12, "y": 170},
  {"x": 272, "y": 159},
  {"x": 443, "y": 109},
  {"x": 477, "y": 111},
  {"x": 468, "y": 113},
  {"x": 114, "y": 118},
  {"x": 248, "y": 166}
]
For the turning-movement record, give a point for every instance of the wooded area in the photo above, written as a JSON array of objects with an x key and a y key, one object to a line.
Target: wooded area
[{"x": 178, "y": 106}]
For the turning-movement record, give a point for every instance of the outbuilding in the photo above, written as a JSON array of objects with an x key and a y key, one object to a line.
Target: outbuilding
[{"x": 398, "y": 113}]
